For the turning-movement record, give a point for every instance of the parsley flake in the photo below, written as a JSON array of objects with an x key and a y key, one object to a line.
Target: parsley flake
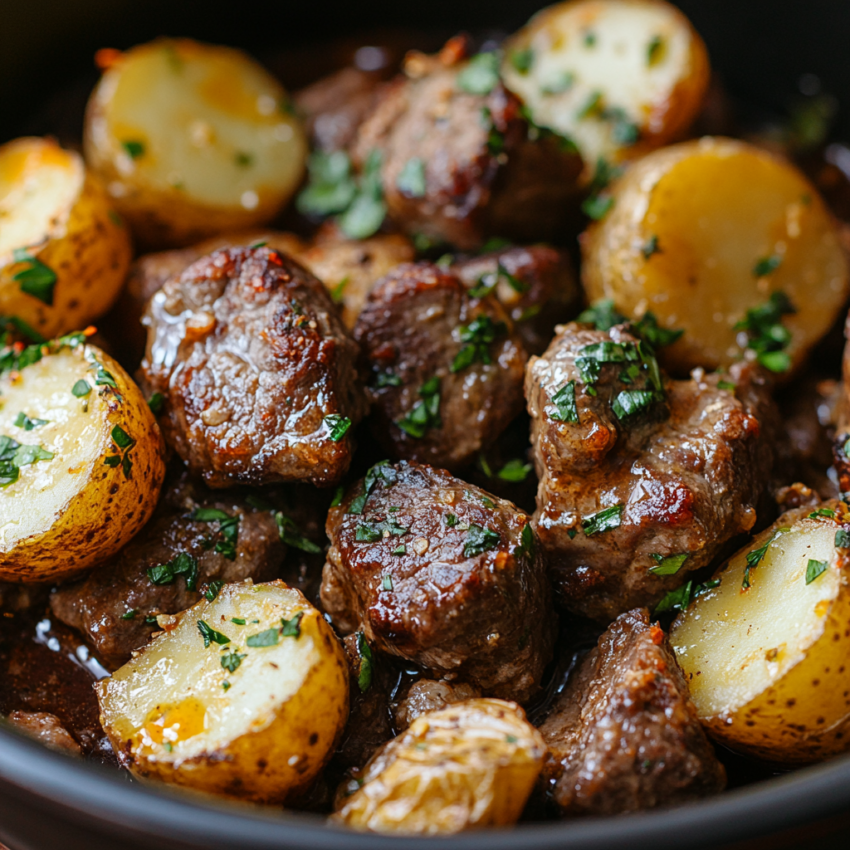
[
  {"x": 411, "y": 178},
  {"x": 605, "y": 520},
  {"x": 514, "y": 470},
  {"x": 481, "y": 74},
  {"x": 27, "y": 423},
  {"x": 181, "y": 565},
  {"x": 291, "y": 535},
  {"x": 210, "y": 635},
  {"x": 230, "y": 661},
  {"x": 425, "y": 413},
  {"x": 815, "y": 569},
  {"x": 37, "y": 280},
  {"x": 337, "y": 425},
  {"x": 565, "y": 402},
  {"x": 228, "y": 527},
  {"x": 476, "y": 336},
  {"x": 669, "y": 565},
  {"x": 364, "y": 677},
  {"x": 479, "y": 540}
]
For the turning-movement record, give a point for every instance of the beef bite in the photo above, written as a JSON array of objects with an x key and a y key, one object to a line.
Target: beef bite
[
  {"x": 536, "y": 285},
  {"x": 624, "y": 735},
  {"x": 642, "y": 479},
  {"x": 442, "y": 574},
  {"x": 458, "y": 161},
  {"x": 257, "y": 370},
  {"x": 196, "y": 540},
  {"x": 446, "y": 368}
]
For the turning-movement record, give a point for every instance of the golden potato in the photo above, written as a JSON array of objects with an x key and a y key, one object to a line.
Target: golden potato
[
  {"x": 193, "y": 139},
  {"x": 244, "y": 696},
  {"x": 468, "y": 766},
  {"x": 618, "y": 77},
  {"x": 64, "y": 253},
  {"x": 81, "y": 460},
  {"x": 703, "y": 232},
  {"x": 766, "y": 652}
]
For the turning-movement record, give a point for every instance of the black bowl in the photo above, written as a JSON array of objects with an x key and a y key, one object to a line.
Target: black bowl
[{"x": 50, "y": 802}]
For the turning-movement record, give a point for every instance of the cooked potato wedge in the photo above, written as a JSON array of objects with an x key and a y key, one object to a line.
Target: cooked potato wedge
[
  {"x": 191, "y": 140},
  {"x": 769, "y": 665},
  {"x": 81, "y": 460},
  {"x": 468, "y": 766},
  {"x": 244, "y": 696},
  {"x": 618, "y": 77},
  {"x": 701, "y": 233},
  {"x": 64, "y": 253}
]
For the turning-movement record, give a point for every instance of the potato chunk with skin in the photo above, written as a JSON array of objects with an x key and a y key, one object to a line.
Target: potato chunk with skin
[
  {"x": 702, "y": 232},
  {"x": 81, "y": 463},
  {"x": 63, "y": 251},
  {"x": 193, "y": 139},
  {"x": 765, "y": 650},
  {"x": 618, "y": 77},
  {"x": 469, "y": 766},
  {"x": 246, "y": 696}
]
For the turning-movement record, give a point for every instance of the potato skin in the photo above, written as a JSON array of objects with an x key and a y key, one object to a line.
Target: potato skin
[
  {"x": 470, "y": 765},
  {"x": 87, "y": 246},
  {"x": 258, "y": 765},
  {"x": 803, "y": 715},
  {"x": 109, "y": 508},
  {"x": 716, "y": 207}
]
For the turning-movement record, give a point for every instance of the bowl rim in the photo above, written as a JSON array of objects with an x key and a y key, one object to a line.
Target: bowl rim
[{"x": 96, "y": 794}]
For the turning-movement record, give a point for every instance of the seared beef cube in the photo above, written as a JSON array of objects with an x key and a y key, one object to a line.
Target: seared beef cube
[
  {"x": 642, "y": 479},
  {"x": 258, "y": 372},
  {"x": 446, "y": 369},
  {"x": 195, "y": 539},
  {"x": 47, "y": 729},
  {"x": 457, "y": 160},
  {"x": 428, "y": 695},
  {"x": 624, "y": 735},
  {"x": 335, "y": 106},
  {"x": 442, "y": 574},
  {"x": 536, "y": 285}
]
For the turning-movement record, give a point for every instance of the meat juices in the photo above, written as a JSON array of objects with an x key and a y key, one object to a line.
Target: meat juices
[
  {"x": 536, "y": 285},
  {"x": 258, "y": 371},
  {"x": 111, "y": 605},
  {"x": 642, "y": 479},
  {"x": 624, "y": 735},
  {"x": 446, "y": 369},
  {"x": 458, "y": 159},
  {"x": 440, "y": 573}
]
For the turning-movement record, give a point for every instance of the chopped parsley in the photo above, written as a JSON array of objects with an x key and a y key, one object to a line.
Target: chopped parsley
[
  {"x": 592, "y": 106},
  {"x": 425, "y": 414},
  {"x": 820, "y": 513},
  {"x": 338, "y": 496},
  {"x": 726, "y": 385},
  {"x": 230, "y": 661},
  {"x": 338, "y": 291},
  {"x": 842, "y": 539},
  {"x": 755, "y": 557},
  {"x": 669, "y": 565},
  {"x": 560, "y": 82},
  {"x": 238, "y": 620},
  {"x": 631, "y": 402},
  {"x": 269, "y": 637},
  {"x": 526, "y": 542},
  {"x": 655, "y": 50},
  {"x": 37, "y": 280},
  {"x": 243, "y": 160},
  {"x": 682, "y": 596},
  {"x": 604, "y": 520},
  {"x": 210, "y": 635},
  {"x": 81, "y": 389},
  {"x": 451, "y": 520},
  {"x": 386, "y": 379},
  {"x": 123, "y": 442},
  {"x": 477, "y": 337},
  {"x": 768, "y": 337},
  {"x": 213, "y": 589},
  {"x": 655, "y": 335},
  {"x": 590, "y": 39},
  {"x": 16, "y": 325},
  {"x": 134, "y": 148},
  {"x": 515, "y": 470},
  {"x": 522, "y": 59},
  {"x": 228, "y": 527},
  {"x": 364, "y": 677},
  {"x": 156, "y": 402},
  {"x": 479, "y": 540},
  {"x": 489, "y": 280},
  {"x": 399, "y": 550},
  {"x": 371, "y": 532},
  {"x": 481, "y": 74},
  {"x": 382, "y": 471},
  {"x": 129, "y": 614},
  {"x": 337, "y": 425},
  {"x": 597, "y": 207},
  {"x": 650, "y": 247},
  {"x": 815, "y": 569},
  {"x": 291, "y": 535},
  {"x": 387, "y": 581},
  {"x": 181, "y": 565},
  {"x": 767, "y": 265},
  {"x": 495, "y": 138},
  {"x": 411, "y": 178},
  {"x": 602, "y": 315},
  {"x": 14, "y": 455},
  {"x": 292, "y": 627},
  {"x": 27, "y": 423},
  {"x": 565, "y": 402}
]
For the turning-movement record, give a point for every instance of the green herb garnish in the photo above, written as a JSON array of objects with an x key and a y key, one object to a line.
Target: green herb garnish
[
  {"x": 181, "y": 565},
  {"x": 134, "y": 148},
  {"x": 382, "y": 471},
  {"x": 213, "y": 589},
  {"x": 364, "y": 677},
  {"x": 522, "y": 59},
  {"x": 682, "y": 596},
  {"x": 25, "y": 422},
  {"x": 338, "y": 426},
  {"x": 425, "y": 413},
  {"x": 228, "y": 527},
  {"x": 515, "y": 470},
  {"x": 768, "y": 337},
  {"x": 13, "y": 456},
  {"x": 604, "y": 520},
  {"x": 291, "y": 535},
  {"x": 815, "y": 569},
  {"x": 669, "y": 565},
  {"x": 565, "y": 402},
  {"x": 477, "y": 337},
  {"x": 156, "y": 402},
  {"x": 210, "y": 635},
  {"x": 37, "y": 280},
  {"x": 481, "y": 74},
  {"x": 479, "y": 540},
  {"x": 411, "y": 178}
]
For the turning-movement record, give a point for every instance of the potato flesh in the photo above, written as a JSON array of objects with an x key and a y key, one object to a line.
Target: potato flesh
[
  {"x": 716, "y": 208},
  {"x": 733, "y": 643},
  {"x": 173, "y": 694},
  {"x": 75, "y": 434},
  {"x": 39, "y": 182},
  {"x": 210, "y": 122},
  {"x": 602, "y": 47}
]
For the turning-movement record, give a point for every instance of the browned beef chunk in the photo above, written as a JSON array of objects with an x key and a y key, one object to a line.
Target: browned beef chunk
[
  {"x": 624, "y": 734},
  {"x": 446, "y": 369},
  {"x": 642, "y": 479},
  {"x": 536, "y": 285},
  {"x": 440, "y": 573},
  {"x": 457, "y": 160},
  {"x": 115, "y": 606},
  {"x": 257, "y": 369},
  {"x": 334, "y": 106},
  {"x": 46, "y": 729},
  {"x": 429, "y": 695}
]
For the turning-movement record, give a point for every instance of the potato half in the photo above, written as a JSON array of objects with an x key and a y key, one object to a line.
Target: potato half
[
  {"x": 81, "y": 460},
  {"x": 244, "y": 696},
  {"x": 64, "y": 253},
  {"x": 468, "y": 766},
  {"x": 618, "y": 77},
  {"x": 769, "y": 665},
  {"x": 704, "y": 231},
  {"x": 193, "y": 139}
]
